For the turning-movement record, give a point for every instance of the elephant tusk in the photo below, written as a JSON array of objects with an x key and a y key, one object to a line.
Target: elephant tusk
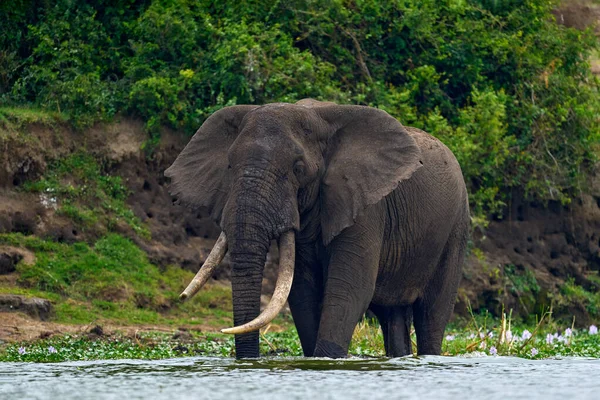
[
  {"x": 287, "y": 255},
  {"x": 208, "y": 268}
]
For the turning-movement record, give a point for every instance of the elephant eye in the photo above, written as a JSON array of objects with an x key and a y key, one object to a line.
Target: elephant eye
[{"x": 299, "y": 168}]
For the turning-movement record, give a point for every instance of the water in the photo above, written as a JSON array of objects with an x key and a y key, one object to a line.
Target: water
[{"x": 298, "y": 378}]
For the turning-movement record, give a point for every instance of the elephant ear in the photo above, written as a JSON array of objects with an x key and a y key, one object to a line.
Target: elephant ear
[
  {"x": 200, "y": 176},
  {"x": 368, "y": 153}
]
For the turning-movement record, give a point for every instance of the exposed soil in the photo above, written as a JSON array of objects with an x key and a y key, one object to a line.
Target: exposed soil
[
  {"x": 581, "y": 14},
  {"x": 17, "y": 327},
  {"x": 553, "y": 244}
]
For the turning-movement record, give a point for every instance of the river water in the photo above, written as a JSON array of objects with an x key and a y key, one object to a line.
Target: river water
[{"x": 299, "y": 378}]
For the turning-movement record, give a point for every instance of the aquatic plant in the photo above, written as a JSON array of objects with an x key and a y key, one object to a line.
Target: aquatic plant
[
  {"x": 367, "y": 342},
  {"x": 534, "y": 352}
]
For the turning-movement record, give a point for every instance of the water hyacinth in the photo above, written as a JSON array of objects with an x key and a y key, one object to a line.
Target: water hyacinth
[
  {"x": 593, "y": 330},
  {"x": 368, "y": 341},
  {"x": 534, "y": 352},
  {"x": 568, "y": 332}
]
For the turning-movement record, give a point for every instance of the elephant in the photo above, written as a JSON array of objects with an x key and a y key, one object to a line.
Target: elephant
[{"x": 368, "y": 215}]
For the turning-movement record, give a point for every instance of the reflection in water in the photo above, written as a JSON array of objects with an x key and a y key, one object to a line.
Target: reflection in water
[{"x": 204, "y": 377}]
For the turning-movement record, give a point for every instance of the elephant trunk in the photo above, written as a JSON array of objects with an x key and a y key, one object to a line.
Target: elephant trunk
[
  {"x": 261, "y": 207},
  {"x": 248, "y": 254},
  {"x": 249, "y": 225},
  {"x": 285, "y": 278}
]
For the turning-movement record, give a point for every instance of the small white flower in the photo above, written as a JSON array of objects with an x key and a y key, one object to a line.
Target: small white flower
[
  {"x": 526, "y": 335},
  {"x": 509, "y": 336},
  {"x": 568, "y": 332},
  {"x": 549, "y": 338},
  {"x": 493, "y": 351},
  {"x": 449, "y": 338},
  {"x": 491, "y": 334},
  {"x": 593, "y": 330},
  {"x": 472, "y": 336},
  {"x": 534, "y": 352}
]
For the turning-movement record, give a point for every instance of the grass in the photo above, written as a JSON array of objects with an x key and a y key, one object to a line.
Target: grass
[
  {"x": 18, "y": 117},
  {"x": 112, "y": 280},
  {"x": 492, "y": 338},
  {"x": 93, "y": 200},
  {"x": 575, "y": 294}
]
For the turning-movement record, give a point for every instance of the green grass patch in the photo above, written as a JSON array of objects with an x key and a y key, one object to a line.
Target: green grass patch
[
  {"x": 112, "y": 280},
  {"x": 571, "y": 293},
  {"x": 18, "y": 117},
  {"x": 88, "y": 196}
]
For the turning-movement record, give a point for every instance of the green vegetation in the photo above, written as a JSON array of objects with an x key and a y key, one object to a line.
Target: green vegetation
[
  {"x": 80, "y": 190},
  {"x": 572, "y": 293},
  {"x": 14, "y": 118},
  {"x": 508, "y": 89},
  {"x": 541, "y": 341},
  {"x": 483, "y": 335},
  {"x": 112, "y": 280},
  {"x": 521, "y": 283}
]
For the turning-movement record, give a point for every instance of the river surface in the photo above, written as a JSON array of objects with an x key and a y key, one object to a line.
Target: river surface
[{"x": 298, "y": 378}]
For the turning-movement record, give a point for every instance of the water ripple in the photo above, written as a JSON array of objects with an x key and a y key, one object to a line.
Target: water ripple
[{"x": 290, "y": 378}]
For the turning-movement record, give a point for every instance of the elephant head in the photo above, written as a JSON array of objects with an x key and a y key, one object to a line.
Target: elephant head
[{"x": 272, "y": 171}]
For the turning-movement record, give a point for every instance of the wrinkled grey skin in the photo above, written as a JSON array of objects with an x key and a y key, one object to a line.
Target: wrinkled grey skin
[{"x": 380, "y": 214}]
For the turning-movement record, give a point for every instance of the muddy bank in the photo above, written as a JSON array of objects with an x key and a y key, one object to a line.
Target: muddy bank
[
  {"x": 178, "y": 236},
  {"x": 521, "y": 261},
  {"x": 526, "y": 259}
]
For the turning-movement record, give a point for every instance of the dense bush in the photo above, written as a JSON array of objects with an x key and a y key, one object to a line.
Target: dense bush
[{"x": 500, "y": 82}]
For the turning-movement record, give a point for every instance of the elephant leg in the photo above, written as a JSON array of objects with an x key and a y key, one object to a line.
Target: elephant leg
[
  {"x": 433, "y": 310},
  {"x": 305, "y": 301},
  {"x": 395, "y": 324},
  {"x": 351, "y": 275}
]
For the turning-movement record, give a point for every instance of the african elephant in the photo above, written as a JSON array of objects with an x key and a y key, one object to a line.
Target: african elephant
[{"x": 369, "y": 215}]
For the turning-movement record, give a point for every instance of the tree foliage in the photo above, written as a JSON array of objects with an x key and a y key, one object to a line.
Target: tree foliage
[{"x": 503, "y": 85}]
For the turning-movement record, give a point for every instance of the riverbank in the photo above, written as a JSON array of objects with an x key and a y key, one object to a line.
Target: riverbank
[
  {"x": 75, "y": 201},
  {"x": 488, "y": 338}
]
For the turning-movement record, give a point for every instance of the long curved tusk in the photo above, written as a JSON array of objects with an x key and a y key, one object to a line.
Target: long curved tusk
[
  {"x": 287, "y": 255},
  {"x": 208, "y": 268}
]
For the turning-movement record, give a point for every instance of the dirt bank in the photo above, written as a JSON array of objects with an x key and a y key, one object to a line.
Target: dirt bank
[{"x": 522, "y": 262}]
